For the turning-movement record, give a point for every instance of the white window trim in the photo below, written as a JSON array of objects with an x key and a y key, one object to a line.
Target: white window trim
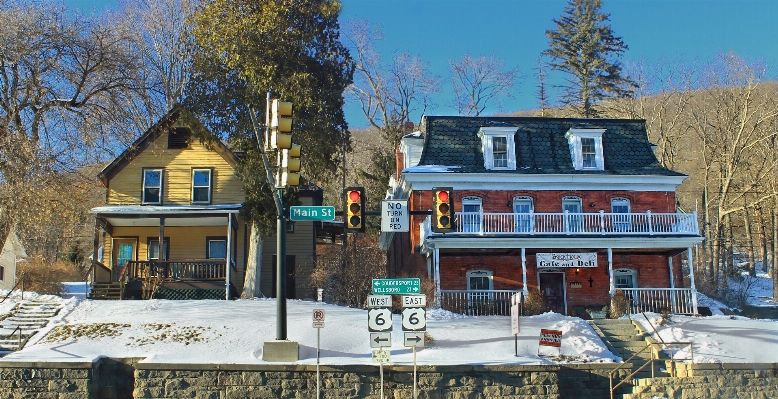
[
  {"x": 210, "y": 185},
  {"x": 626, "y": 272},
  {"x": 574, "y": 137},
  {"x": 518, "y": 218},
  {"x": 473, "y": 219},
  {"x": 486, "y": 134},
  {"x": 480, "y": 273},
  {"x": 161, "y": 185}
]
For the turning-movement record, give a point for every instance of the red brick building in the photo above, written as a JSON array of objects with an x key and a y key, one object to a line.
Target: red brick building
[{"x": 573, "y": 208}]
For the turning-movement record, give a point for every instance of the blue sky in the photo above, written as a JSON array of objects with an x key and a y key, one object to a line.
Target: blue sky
[{"x": 514, "y": 30}]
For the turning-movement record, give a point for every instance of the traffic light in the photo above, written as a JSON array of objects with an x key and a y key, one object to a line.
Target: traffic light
[
  {"x": 355, "y": 209},
  {"x": 290, "y": 166},
  {"x": 442, "y": 209},
  {"x": 281, "y": 124}
]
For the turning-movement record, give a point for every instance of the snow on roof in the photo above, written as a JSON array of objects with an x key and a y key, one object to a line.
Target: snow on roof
[
  {"x": 429, "y": 169},
  {"x": 224, "y": 208}
]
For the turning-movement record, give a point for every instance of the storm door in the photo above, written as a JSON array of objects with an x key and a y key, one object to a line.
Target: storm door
[
  {"x": 124, "y": 251},
  {"x": 552, "y": 286}
]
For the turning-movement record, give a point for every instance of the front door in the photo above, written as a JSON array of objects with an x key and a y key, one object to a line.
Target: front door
[
  {"x": 552, "y": 286},
  {"x": 124, "y": 251}
]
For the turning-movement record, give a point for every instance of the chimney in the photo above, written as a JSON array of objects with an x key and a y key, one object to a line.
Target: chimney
[{"x": 408, "y": 128}]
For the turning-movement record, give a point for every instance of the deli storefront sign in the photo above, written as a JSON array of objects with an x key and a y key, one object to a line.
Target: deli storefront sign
[{"x": 576, "y": 259}]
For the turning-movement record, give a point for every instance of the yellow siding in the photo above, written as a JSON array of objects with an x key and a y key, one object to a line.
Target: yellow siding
[
  {"x": 126, "y": 187},
  {"x": 185, "y": 242}
]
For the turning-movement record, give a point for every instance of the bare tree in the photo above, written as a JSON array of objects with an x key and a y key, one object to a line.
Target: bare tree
[
  {"x": 60, "y": 76},
  {"x": 480, "y": 81},
  {"x": 542, "y": 91}
]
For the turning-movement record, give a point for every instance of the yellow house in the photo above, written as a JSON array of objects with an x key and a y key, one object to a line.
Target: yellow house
[{"x": 167, "y": 187}]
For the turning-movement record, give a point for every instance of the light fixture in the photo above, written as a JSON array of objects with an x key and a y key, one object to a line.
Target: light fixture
[{"x": 577, "y": 270}]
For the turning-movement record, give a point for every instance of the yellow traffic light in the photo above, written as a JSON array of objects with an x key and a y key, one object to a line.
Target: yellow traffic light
[
  {"x": 281, "y": 124},
  {"x": 442, "y": 209},
  {"x": 355, "y": 206},
  {"x": 290, "y": 166}
]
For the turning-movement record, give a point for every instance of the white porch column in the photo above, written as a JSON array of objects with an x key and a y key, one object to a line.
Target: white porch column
[
  {"x": 524, "y": 271},
  {"x": 691, "y": 278},
  {"x": 436, "y": 260},
  {"x": 612, "y": 286},
  {"x": 229, "y": 256},
  {"x": 670, "y": 266}
]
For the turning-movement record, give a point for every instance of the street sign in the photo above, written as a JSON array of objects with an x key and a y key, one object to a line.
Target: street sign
[
  {"x": 414, "y": 319},
  {"x": 379, "y": 301},
  {"x": 515, "y": 312},
  {"x": 379, "y": 319},
  {"x": 381, "y": 356},
  {"x": 318, "y": 324},
  {"x": 395, "y": 216},
  {"x": 318, "y": 315},
  {"x": 396, "y": 286},
  {"x": 303, "y": 213},
  {"x": 414, "y": 339},
  {"x": 414, "y": 301},
  {"x": 380, "y": 339}
]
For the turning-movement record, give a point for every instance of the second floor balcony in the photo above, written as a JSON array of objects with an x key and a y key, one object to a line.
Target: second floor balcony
[{"x": 547, "y": 224}]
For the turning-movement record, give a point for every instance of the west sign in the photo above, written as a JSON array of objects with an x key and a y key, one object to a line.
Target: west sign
[{"x": 575, "y": 259}]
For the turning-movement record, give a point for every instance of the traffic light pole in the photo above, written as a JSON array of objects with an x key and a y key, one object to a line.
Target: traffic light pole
[{"x": 280, "y": 225}]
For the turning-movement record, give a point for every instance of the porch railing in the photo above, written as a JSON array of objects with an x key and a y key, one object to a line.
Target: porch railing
[
  {"x": 672, "y": 300},
  {"x": 208, "y": 269},
  {"x": 478, "y": 302},
  {"x": 600, "y": 223}
]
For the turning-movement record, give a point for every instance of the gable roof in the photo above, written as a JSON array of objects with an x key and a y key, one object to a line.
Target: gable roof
[
  {"x": 541, "y": 146},
  {"x": 176, "y": 114}
]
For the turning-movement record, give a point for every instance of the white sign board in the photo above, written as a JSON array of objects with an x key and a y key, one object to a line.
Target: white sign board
[
  {"x": 515, "y": 303},
  {"x": 379, "y": 301},
  {"x": 379, "y": 319},
  {"x": 380, "y": 339},
  {"x": 414, "y": 339},
  {"x": 414, "y": 301},
  {"x": 414, "y": 319},
  {"x": 395, "y": 216},
  {"x": 381, "y": 356},
  {"x": 574, "y": 259}
]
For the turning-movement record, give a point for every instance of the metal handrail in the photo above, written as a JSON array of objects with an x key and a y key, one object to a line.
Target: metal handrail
[
  {"x": 19, "y": 328},
  {"x": 650, "y": 362},
  {"x": 20, "y": 281}
]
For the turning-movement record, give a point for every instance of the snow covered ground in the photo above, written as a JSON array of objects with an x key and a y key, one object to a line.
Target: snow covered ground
[{"x": 212, "y": 331}]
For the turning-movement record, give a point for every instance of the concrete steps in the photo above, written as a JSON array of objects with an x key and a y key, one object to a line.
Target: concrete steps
[{"x": 24, "y": 321}]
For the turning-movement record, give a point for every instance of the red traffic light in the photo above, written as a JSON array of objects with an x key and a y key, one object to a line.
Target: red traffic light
[
  {"x": 443, "y": 196},
  {"x": 354, "y": 196}
]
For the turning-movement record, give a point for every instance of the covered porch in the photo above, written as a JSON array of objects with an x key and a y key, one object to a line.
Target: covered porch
[{"x": 200, "y": 247}]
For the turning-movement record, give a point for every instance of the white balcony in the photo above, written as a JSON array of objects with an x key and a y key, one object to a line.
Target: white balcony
[{"x": 600, "y": 223}]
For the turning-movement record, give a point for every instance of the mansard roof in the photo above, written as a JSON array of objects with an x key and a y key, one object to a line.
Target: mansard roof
[{"x": 541, "y": 146}]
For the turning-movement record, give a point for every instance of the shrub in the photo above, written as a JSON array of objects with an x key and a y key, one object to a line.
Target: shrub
[
  {"x": 47, "y": 277},
  {"x": 534, "y": 304},
  {"x": 619, "y": 304}
]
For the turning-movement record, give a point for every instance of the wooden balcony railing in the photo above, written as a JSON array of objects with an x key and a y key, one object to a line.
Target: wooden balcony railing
[
  {"x": 478, "y": 302},
  {"x": 199, "y": 269},
  {"x": 600, "y": 223}
]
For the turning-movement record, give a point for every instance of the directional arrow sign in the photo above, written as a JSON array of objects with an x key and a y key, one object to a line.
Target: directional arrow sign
[
  {"x": 380, "y": 340},
  {"x": 396, "y": 286},
  {"x": 414, "y": 339}
]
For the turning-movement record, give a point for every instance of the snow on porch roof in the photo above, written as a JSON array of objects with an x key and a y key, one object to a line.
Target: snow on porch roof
[{"x": 118, "y": 210}]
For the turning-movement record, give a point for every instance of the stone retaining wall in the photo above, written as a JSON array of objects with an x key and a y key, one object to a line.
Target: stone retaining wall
[{"x": 46, "y": 380}]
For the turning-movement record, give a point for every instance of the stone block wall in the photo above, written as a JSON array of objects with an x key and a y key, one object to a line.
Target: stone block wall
[{"x": 46, "y": 380}]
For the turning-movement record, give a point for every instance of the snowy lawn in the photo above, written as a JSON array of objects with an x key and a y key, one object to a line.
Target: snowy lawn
[{"x": 212, "y": 331}]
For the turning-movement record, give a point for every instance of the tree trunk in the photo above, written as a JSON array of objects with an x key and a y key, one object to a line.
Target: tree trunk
[
  {"x": 251, "y": 287},
  {"x": 773, "y": 257},
  {"x": 750, "y": 243}
]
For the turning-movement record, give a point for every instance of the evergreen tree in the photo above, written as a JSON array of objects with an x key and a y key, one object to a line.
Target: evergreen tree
[{"x": 584, "y": 46}]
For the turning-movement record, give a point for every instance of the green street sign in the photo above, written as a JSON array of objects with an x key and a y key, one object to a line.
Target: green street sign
[
  {"x": 303, "y": 213},
  {"x": 396, "y": 286}
]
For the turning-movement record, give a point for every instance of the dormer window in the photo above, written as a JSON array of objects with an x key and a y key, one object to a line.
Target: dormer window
[
  {"x": 586, "y": 148},
  {"x": 498, "y": 147}
]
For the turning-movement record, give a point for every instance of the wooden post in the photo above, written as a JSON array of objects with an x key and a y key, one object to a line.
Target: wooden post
[{"x": 95, "y": 248}]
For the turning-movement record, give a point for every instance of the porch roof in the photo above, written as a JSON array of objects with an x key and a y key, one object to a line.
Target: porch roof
[
  {"x": 176, "y": 215},
  {"x": 560, "y": 242}
]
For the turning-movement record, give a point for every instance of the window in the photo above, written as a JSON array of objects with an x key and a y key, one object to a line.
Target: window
[
  {"x": 523, "y": 208},
  {"x": 152, "y": 186},
  {"x": 586, "y": 148},
  {"x": 625, "y": 278},
  {"x": 498, "y": 147},
  {"x": 471, "y": 214},
  {"x": 479, "y": 280},
  {"x": 621, "y": 222},
  {"x": 201, "y": 186},
  {"x": 217, "y": 248},
  {"x": 588, "y": 153},
  {"x": 500, "y": 152},
  {"x": 573, "y": 217},
  {"x": 153, "y": 251}
]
